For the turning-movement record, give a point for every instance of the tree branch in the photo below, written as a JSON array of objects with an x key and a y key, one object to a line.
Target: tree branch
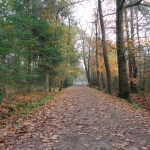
[
  {"x": 148, "y": 5},
  {"x": 69, "y": 4},
  {"x": 135, "y": 3}
]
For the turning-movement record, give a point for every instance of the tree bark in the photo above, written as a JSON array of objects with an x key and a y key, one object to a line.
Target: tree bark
[
  {"x": 139, "y": 47},
  {"x": 131, "y": 4},
  {"x": 97, "y": 63},
  {"x": 29, "y": 51},
  {"x": 29, "y": 71},
  {"x": 86, "y": 68},
  {"x": 47, "y": 79},
  {"x": 124, "y": 91},
  {"x": 62, "y": 82},
  {"x": 105, "y": 56},
  {"x": 132, "y": 61},
  {"x": 30, "y": 7}
]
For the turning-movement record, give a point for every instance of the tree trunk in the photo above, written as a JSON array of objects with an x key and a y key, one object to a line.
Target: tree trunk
[
  {"x": 139, "y": 47},
  {"x": 47, "y": 80},
  {"x": 51, "y": 83},
  {"x": 103, "y": 85},
  {"x": 88, "y": 67},
  {"x": 124, "y": 91},
  {"x": 97, "y": 63},
  {"x": 104, "y": 48},
  {"x": 144, "y": 73},
  {"x": 132, "y": 61},
  {"x": 29, "y": 71},
  {"x": 29, "y": 51},
  {"x": 62, "y": 82},
  {"x": 30, "y": 7},
  {"x": 85, "y": 64},
  {"x": 86, "y": 70}
]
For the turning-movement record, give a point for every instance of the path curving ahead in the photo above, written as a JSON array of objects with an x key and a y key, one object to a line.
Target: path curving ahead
[{"x": 81, "y": 118}]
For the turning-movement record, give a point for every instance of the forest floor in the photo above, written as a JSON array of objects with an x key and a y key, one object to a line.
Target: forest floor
[
  {"x": 79, "y": 118},
  {"x": 138, "y": 99}
]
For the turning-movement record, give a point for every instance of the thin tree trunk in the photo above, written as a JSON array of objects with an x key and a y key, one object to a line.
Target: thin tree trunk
[
  {"x": 124, "y": 91},
  {"x": 29, "y": 51},
  {"x": 103, "y": 82},
  {"x": 62, "y": 82},
  {"x": 97, "y": 63},
  {"x": 139, "y": 46},
  {"x": 84, "y": 60},
  {"x": 104, "y": 48},
  {"x": 88, "y": 67},
  {"x": 29, "y": 71},
  {"x": 132, "y": 61},
  {"x": 30, "y": 7},
  {"x": 86, "y": 70},
  {"x": 51, "y": 83},
  {"x": 144, "y": 72},
  {"x": 47, "y": 79}
]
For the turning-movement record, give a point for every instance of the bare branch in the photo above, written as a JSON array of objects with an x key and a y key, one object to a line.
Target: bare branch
[
  {"x": 135, "y": 3},
  {"x": 143, "y": 4}
]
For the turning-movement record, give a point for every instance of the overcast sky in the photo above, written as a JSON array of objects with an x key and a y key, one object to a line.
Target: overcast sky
[{"x": 84, "y": 14}]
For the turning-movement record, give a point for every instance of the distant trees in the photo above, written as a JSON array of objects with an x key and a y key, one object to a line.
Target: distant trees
[{"x": 93, "y": 57}]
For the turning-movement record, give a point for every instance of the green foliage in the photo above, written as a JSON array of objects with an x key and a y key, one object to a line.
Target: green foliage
[
  {"x": 39, "y": 103},
  {"x": 25, "y": 107},
  {"x": 28, "y": 107},
  {"x": 136, "y": 105},
  {"x": 68, "y": 81},
  {"x": 31, "y": 45}
]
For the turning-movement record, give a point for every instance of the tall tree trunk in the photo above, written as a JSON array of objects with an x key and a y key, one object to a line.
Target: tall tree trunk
[
  {"x": 144, "y": 72},
  {"x": 86, "y": 69},
  {"x": 139, "y": 47},
  {"x": 104, "y": 47},
  {"x": 29, "y": 71},
  {"x": 86, "y": 66},
  {"x": 132, "y": 61},
  {"x": 102, "y": 81},
  {"x": 124, "y": 90},
  {"x": 29, "y": 51},
  {"x": 97, "y": 63}
]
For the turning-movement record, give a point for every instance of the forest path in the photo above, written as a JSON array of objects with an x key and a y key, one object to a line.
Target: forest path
[{"x": 81, "y": 118}]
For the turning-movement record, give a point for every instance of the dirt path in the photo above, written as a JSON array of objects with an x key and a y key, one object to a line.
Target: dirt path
[{"x": 81, "y": 118}]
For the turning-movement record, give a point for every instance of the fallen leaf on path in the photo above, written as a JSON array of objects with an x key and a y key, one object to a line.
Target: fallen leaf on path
[{"x": 54, "y": 137}]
